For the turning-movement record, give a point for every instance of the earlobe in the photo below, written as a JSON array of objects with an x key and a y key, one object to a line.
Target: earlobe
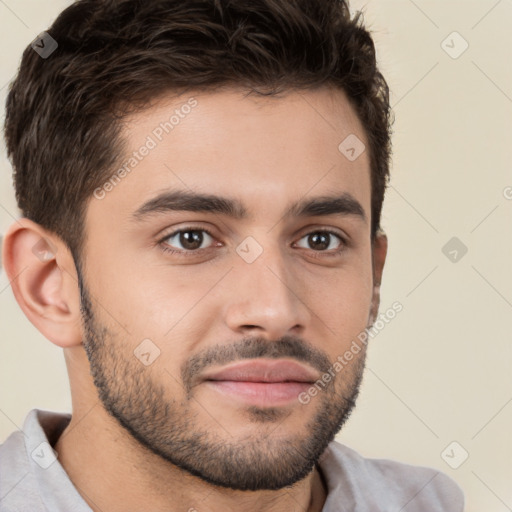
[
  {"x": 43, "y": 278},
  {"x": 379, "y": 252}
]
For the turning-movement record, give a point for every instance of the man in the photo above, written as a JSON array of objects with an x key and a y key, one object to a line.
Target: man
[{"x": 201, "y": 185}]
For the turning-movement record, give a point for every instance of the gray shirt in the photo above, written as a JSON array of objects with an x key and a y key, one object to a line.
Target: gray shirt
[{"x": 33, "y": 480}]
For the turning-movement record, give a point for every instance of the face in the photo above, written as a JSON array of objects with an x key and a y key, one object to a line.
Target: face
[{"x": 223, "y": 274}]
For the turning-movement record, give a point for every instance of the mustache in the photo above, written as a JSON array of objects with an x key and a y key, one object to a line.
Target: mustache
[{"x": 252, "y": 348}]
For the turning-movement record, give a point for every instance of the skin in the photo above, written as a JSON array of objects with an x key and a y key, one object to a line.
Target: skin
[{"x": 155, "y": 437}]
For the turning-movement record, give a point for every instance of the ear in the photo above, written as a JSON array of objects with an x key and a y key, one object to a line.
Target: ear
[
  {"x": 43, "y": 277},
  {"x": 379, "y": 251}
]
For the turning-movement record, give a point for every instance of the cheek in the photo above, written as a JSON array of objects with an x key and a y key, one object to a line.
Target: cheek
[
  {"x": 345, "y": 303},
  {"x": 341, "y": 306},
  {"x": 343, "y": 293},
  {"x": 170, "y": 310},
  {"x": 144, "y": 297}
]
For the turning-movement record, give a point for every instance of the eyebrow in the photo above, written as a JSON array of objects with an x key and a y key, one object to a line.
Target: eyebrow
[{"x": 181, "y": 200}]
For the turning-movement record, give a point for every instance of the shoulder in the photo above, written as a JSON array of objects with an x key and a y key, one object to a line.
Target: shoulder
[
  {"x": 382, "y": 484},
  {"x": 18, "y": 490},
  {"x": 27, "y": 472}
]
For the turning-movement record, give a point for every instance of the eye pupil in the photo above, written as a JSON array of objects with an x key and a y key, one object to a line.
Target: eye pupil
[
  {"x": 321, "y": 238},
  {"x": 193, "y": 241}
]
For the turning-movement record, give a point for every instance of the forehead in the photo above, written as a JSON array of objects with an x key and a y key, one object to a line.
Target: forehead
[{"x": 261, "y": 150}]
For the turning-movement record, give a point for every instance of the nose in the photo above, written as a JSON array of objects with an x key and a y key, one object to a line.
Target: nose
[{"x": 266, "y": 298}]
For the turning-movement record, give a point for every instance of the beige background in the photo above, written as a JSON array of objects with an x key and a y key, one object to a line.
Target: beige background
[{"x": 441, "y": 371}]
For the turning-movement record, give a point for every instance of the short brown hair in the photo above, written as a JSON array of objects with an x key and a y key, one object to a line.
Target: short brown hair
[{"x": 62, "y": 122}]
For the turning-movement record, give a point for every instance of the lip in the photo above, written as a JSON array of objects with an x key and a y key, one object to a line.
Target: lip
[
  {"x": 264, "y": 371},
  {"x": 261, "y": 383},
  {"x": 261, "y": 394}
]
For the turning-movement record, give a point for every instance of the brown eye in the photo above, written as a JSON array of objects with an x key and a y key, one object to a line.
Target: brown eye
[
  {"x": 187, "y": 239},
  {"x": 322, "y": 240}
]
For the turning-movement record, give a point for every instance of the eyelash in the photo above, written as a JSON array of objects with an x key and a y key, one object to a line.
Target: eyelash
[{"x": 190, "y": 253}]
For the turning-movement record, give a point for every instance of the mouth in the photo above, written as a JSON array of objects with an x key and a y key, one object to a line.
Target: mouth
[{"x": 262, "y": 382}]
